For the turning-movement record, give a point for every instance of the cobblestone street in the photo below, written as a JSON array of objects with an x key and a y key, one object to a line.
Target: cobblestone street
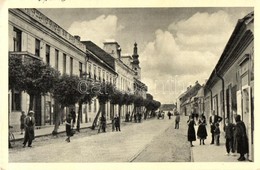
[{"x": 131, "y": 144}]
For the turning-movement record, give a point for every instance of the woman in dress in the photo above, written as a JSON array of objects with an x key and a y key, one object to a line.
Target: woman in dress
[
  {"x": 68, "y": 127},
  {"x": 191, "y": 130},
  {"x": 202, "y": 132}
]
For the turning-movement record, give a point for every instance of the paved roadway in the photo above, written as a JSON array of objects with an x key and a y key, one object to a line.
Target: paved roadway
[{"x": 122, "y": 146}]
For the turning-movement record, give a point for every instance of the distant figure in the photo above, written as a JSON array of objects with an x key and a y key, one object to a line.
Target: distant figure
[
  {"x": 213, "y": 119},
  {"x": 241, "y": 138},
  {"x": 202, "y": 131},
  {"x": 117, "y": 123},
  {"x": 177, "y": 120},
  {"x": 29, "y": 124},
  {"x": 68, "y": 127},
  {"x": 217, "y": 133},
  {"x": 22, "y": 117},
  {"x": 191, "y": 130},
  {"x": 229, "y": 134},
  {"x": 169, "y": 114},
  {"x": 102, "y": 124},
  {"x": 73, "y": 116}
]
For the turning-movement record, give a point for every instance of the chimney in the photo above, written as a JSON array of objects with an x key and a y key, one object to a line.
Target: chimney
[
  {"x": 77, "y": 37},
  {"x": 119, "y": 51}
]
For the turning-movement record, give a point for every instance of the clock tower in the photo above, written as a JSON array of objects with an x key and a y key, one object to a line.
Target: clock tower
[{"x": 135, "y": 63}]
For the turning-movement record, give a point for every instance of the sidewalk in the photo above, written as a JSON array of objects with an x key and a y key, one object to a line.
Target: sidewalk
[
  {"x": 211, "y": 153},
  {"x": 47, "y": 130}
]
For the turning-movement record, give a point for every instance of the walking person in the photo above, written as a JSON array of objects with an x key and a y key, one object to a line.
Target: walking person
[
  {"x": 29, "y": 124},
  {"x": 117, "y": 123},
  {"x": 229, "y": 133},
  {"x": 213, "y": 119},
  {"x": 202, "y": 131},
  {"x": 169, "y": 114},
  {"x": 22, "y": 118},
  {"x": 68, "y": 127},
  {"x": 241, "y": 138},
  {"x": 177, "y": 120},
  {"x": 217, "y": 133},
  {"x": 73, "y": 116},
  {"x": 191, "y": 130}
]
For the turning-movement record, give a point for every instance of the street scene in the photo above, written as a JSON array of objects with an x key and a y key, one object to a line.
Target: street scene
[{"x": 131, "y": 85}]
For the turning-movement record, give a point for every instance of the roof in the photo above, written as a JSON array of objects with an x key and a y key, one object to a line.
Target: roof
[
  {"x": 239, "y": 31},
  {"x": 100, "y": 53},
  {"x": 192, "y": 91},
  {"x": 167, "y": 107}
]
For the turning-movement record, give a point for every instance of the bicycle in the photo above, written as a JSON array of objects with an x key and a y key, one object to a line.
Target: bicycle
[{"x": 11, "y": 138}]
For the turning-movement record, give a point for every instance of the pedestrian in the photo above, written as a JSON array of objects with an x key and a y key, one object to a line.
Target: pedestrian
[
  {"x": 102, "y": 124},
  {"x": 241, "y": 138},
  {"x": 213, "y": 119},
  {"x": 169, "y": 114},
  {"x": 229, "y": 133},
  {"x": 177, "y": 120},
  {"x": 113, "y": 124},
  {"x": 191, "y": 130},
  {"x": 29, "y": 123},
  {"x": 73, "y": 116},
  {"x": 217, "y": 133},
  {"x": 202, "y": 131},
  {"x": 117, "y": 123},
  {"x": 68, "y": 127},
  {"x": 22, "y": 117}
]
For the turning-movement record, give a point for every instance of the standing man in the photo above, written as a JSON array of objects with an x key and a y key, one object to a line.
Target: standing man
[
  {"x": 29, "y": 124},
  {"x": 117, "y": 123},
  {"x": 213, "y": 119}
]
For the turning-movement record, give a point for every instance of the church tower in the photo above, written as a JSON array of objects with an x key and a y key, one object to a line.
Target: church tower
[{"x": 135, "y": 63}]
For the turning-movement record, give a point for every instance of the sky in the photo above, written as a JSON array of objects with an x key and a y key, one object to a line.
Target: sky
[{"x": 176, "y": 46}]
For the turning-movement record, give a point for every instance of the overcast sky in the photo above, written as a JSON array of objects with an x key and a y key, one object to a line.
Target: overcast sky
[{"x": 176, "y": 46}]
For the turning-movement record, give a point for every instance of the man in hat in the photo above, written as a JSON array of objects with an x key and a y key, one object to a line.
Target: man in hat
[{"x": 29, "y": 124}]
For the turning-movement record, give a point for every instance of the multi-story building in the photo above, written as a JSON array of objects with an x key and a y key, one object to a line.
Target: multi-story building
[
  {"x": 33, "y": 35},
  {"x": 230, "y": 88},
  {"x": 188, "y": 100}
]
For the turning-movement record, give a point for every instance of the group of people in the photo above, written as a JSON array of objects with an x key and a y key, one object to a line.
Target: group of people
[{"x": 235, "y": 134}]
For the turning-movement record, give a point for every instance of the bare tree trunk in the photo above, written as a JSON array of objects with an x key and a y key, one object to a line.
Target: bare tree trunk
[
  {"x": 79, "y": 116},
  {"x": 94, "y": 124},
  {"x": 132, "y": 113},
  {"x": 58, "y": 114}
]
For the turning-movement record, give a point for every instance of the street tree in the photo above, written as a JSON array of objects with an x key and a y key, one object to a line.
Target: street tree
[
  {"x": 103, "y": 91},
  {"x": 16, "y": 73},
  {"x": 66, "y": 94},
  {"x": 85, "y": 88},
  {"x": 138, "y": 102}
]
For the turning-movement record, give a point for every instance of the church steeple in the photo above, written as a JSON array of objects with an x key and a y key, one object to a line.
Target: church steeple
[{"x": 135, "y": 55}]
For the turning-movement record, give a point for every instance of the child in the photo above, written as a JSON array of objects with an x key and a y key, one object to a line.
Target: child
[
  {"x": 229, "y": 133},
  {"x": 217, "y": 133}
]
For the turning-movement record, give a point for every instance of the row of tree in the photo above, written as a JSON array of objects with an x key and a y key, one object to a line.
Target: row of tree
[{"x": 37, "y": 78}]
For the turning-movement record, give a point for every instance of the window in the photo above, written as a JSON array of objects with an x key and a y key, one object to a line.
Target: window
[
  {"x": 80, "y": 69},
  {"x": 37, "y": 47},
  {"x": 71, "y": 65},
  {"x": 89, "y": 70},
  {"x": 56, "y": 59},
  {"x": 107, "y": 77},
  {"x": 47, "y": 55},
  {"x": 16, "y": 100},
  {"x": 95, "y": 76},
  {"x": 64, "y": 63},
  {"x": 99, "y": 73},
  {"x": 104, "y": 77},
  {"x": 17, "y": 38}
]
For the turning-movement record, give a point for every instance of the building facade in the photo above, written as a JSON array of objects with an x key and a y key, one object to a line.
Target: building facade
[
  {"x": 230, "y": 88},
  {"x": 33, "y": 35}
]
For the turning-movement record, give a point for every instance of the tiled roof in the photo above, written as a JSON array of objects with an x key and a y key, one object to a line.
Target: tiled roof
[{"x": 99, "y": 52}]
